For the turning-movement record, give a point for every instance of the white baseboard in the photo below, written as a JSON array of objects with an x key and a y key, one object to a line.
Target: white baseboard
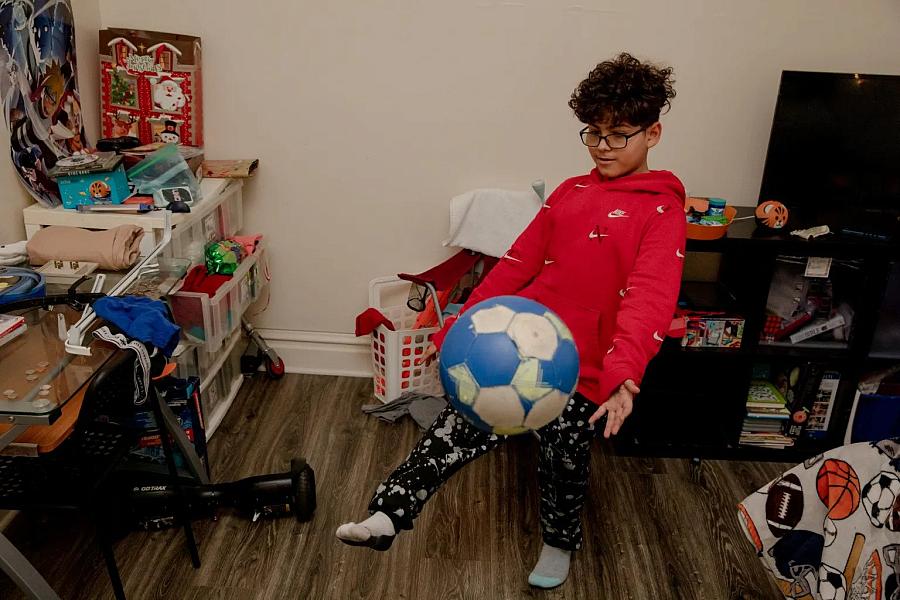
[{"x": 321, "y": 353}]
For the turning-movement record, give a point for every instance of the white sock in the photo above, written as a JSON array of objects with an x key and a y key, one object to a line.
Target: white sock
[
  {"x": 376, "y": 525},
  {"x": 552, "y": 567}
]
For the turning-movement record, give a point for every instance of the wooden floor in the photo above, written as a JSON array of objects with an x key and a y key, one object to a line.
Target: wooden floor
[{"x": 651, "y": 533}]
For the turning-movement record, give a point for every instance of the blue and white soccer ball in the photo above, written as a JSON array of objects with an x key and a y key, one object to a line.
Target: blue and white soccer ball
[{"x": 509, "y": 365}]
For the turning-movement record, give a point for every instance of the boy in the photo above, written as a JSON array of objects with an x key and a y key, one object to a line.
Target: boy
[{"x": 605, "y": 253}]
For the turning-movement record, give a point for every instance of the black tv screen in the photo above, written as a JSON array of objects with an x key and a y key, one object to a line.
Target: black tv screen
[{"x": 835, "y": 145}]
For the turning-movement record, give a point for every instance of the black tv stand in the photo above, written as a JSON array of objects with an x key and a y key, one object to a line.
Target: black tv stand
[{"x": 693, "y": 400}]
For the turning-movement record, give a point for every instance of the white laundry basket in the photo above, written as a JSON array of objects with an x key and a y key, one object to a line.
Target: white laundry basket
[{"x": 394, "y": 353}]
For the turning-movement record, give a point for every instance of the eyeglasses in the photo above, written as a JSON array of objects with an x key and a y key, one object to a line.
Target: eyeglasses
[{"x": 615, "y": 141}]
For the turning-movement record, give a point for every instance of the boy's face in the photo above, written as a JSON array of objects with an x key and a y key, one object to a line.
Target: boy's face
[{"x": 619, "y": 162}]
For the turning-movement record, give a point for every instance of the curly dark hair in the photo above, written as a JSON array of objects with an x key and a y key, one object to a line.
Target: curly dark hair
[{"x": 623, "y": 90}]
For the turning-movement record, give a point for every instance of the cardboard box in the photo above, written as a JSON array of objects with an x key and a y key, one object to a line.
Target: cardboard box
[
  {"x": 151, "y": 86},
  {"x": 713, "y": 332}
]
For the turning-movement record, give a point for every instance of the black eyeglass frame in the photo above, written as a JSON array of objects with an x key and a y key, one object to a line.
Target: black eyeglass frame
[{"x": 605, "y": 138}]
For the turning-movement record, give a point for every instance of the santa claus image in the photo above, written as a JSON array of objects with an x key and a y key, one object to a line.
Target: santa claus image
[{"x": 167, "y": 95}]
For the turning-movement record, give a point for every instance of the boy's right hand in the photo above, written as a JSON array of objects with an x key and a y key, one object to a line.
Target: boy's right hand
[{"x": 430, "y": 353}]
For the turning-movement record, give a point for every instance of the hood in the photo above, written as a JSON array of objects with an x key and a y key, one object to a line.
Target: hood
[{"x": 651, "y": 182}]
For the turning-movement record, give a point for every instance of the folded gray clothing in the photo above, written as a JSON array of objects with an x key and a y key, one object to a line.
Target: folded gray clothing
[
  {"x": 423, "y": 408},
  {"x": 13, "y": 254}
]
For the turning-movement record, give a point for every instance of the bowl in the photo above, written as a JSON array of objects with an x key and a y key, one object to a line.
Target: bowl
[{"x": 696, "y": 231}]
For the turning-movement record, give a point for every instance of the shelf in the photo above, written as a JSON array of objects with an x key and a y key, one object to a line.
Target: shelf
[
  {"x": 812, "y": 350},
  {"x": 213, "y": 193}
]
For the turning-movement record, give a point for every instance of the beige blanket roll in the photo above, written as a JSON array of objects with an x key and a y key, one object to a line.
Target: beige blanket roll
[{"x": 113, "y": 249}]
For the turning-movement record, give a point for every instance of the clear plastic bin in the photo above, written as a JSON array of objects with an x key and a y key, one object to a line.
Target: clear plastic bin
[
  {"x": 209, "y": 320},
  {"x": 189, "y": 239}
]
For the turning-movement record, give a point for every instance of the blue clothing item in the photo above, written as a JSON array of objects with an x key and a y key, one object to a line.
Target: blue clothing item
[{"x": 140, "y": 318}]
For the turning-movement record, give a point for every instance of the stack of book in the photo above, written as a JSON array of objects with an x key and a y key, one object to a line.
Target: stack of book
[
  {"x": 766, "y": 416},
  {"x": 11, "y": 327}
]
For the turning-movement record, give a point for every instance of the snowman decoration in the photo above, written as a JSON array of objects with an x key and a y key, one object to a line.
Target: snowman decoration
[
  {"x": 170, "y": 135},
  {"x": 167, "y": 95}
]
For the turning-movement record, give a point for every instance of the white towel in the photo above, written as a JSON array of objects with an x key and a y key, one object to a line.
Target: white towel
[
  {"x": 490, "y": 220},
  {"x": 13, "y": 254}
]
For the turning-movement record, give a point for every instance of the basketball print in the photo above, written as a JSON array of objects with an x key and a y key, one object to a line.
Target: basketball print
[{"x": 838, "y": 487}]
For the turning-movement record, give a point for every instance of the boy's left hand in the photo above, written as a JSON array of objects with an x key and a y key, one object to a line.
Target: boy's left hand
[{"x": 618, "y": 407}]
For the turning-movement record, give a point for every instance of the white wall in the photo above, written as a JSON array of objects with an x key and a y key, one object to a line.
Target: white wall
[
  {"x": 369, "y": 116},
  {"x": 13, "y": 197}
]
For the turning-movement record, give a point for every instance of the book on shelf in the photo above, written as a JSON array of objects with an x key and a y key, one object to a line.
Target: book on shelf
[
  {"x": 763, "y": 393},
  {"x": 823, "y": 405},
  {"x": 766, "y": 440}
]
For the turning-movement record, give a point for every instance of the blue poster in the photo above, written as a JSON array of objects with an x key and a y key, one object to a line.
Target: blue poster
[{"x": 38, "y": 84}]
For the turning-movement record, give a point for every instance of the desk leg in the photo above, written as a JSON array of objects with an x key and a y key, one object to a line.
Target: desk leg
[
  {"x": 20, "y": 570},
  {"x": 182, "y": 503},
  {"x": 11, "y": 434}
]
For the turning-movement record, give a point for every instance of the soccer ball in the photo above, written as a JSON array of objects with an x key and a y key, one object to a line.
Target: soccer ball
[
  {"x": 509, "y": 365},
  {"x": 879, "y": 495},
  {"x": 832, "y": 583}
]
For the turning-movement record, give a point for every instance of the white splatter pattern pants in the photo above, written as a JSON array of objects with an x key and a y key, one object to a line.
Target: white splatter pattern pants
[{"x": 451, "y": 442}]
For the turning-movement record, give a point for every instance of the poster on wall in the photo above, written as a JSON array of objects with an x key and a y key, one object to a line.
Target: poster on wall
[{"x": 39, "y": 87}]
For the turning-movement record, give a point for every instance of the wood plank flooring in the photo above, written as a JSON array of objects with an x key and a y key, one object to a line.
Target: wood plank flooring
[{"x": 652, "y": 531}]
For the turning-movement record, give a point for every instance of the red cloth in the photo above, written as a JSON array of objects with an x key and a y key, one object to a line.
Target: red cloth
[
  {"x": 198, "y": 280},
  {"x": 368, "y": 320},
  {"x": 606, "y": 256}
]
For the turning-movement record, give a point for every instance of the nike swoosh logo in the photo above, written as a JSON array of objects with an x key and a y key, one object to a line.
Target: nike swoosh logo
[
  {"x": 623, "y": 292},
  {"x": 661, "y": 208},
  {"x": 679, "y": 254},
  {"x": 548, "y": 262},
  {"x": 581, "y": 185},
  {"x": 511, "y": 257},
  {"x": 617, "y": 214},
  {"x": 594, "y": 235},
  {"x": 545, "y": 205},
  {"x": 657, "y": 337},
  {"x": 611, "y": 348}
]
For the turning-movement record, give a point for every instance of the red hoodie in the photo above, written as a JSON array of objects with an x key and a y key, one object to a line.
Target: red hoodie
[{"x": 606, "y": 256}]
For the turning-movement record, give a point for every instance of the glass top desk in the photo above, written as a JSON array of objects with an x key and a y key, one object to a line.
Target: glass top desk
[{"x": 37, "y": 374}]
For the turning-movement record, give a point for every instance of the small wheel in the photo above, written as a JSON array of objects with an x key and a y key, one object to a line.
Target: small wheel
[
  {"x": 304, "y": 491},
  {"x": 275, "y": 368}
]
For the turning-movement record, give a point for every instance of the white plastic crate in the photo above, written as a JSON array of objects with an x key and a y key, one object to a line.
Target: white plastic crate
[
  {"x": 394, "y": 353},
  {"x": 209, "y": 320},
  {"x": 217, "y": 215}
]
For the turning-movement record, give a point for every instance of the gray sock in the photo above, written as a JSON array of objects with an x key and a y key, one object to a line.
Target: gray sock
[
  {"x": 377, "y": 524},
  {"x": 551, "y": 569}
]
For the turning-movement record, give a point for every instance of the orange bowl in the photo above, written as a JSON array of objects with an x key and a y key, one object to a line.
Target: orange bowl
[{"x": 707, "y": 232}]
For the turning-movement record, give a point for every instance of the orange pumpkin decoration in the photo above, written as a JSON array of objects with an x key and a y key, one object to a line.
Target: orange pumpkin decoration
[{"x": 772, "y": 214}]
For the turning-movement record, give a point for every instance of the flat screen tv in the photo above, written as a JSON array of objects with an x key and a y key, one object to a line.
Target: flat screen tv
[{"x": 834, "y": 149}]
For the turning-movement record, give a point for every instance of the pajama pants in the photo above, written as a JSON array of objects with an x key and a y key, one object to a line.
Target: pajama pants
[{"x": 452, "y": 441}]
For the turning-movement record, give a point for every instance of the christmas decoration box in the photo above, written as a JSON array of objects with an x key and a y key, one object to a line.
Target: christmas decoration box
[
  {"x": 151, "y": 86},
  {"x": 91, "y": 179}
]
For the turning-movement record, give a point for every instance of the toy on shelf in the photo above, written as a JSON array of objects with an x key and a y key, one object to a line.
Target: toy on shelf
[
  {"x": 91, "y": 179},
  {"x": 708, "y": 218},
  {"x": 150, "y": 86},
  {"x": 771, "y": 215}
]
